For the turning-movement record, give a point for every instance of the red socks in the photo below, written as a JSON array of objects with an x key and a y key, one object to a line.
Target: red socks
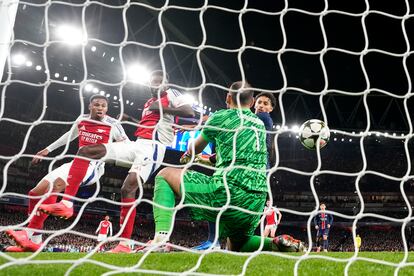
[
  {"x": 76, "y": 174},
  {"x": 32, "y": 202},
  {"x": 129, "y": 227},
  {"x": 37, "y": 221}
]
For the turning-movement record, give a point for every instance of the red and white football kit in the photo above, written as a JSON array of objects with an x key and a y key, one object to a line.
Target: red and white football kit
[
  {"x": 271, "y": 217},
  {"x": 154, "y": 133},
  {"x": 89, "y": 132},
  {"x": 104, "y": 228}
]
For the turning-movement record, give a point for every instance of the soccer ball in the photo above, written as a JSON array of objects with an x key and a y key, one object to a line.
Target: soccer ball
[{"x": 310, "y": 131}]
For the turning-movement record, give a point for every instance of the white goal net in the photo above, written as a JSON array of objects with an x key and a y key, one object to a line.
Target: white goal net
[{"x": 347, "y": 64}]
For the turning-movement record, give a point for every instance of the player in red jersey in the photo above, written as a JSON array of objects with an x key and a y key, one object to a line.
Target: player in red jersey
[
  {"x": 273, "y": 217},
  {"x": 90, "y": 128},
  {"x": 144, "y": 156},
  {"x": 104, "y": 228}
]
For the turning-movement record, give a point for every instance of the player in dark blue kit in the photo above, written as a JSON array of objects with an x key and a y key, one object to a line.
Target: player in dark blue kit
[
  {"x": 264, "y": 104},
  {"x": 323, "y": 223}
]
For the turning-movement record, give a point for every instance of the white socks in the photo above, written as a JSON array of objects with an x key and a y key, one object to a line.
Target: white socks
[{"x": 161, "y": 237}]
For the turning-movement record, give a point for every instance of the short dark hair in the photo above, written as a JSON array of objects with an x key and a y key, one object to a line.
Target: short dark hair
[
  {"x": 322, "y": 203},
  {"x": 238, "y": 90},
  {"x": 267, "y": 95},
  {"x": 161, "y": 74},
  {"x": 93, "y": 97}
]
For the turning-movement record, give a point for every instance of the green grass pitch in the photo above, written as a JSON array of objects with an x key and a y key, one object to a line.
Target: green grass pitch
[{"x": 214, "y": 263}]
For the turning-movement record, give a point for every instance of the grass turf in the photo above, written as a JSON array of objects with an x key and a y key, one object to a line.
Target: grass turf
[{"x": 214, "y": 263}]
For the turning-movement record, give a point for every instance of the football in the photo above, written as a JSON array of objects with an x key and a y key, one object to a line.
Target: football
[{"x": 311, "y": 130}]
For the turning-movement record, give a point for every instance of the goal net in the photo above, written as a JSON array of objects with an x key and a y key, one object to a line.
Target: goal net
[{"x": 347, "y": 64}]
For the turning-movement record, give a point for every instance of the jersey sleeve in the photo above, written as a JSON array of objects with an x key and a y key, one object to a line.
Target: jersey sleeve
[
  {"x": 209, "y": 131},
  {"x": 70, "y": 135},
  {"x": 316, "y": 220},
  {"x": 330, "y": 219},
  {"x": 99, "y": 227},
  {"x": 176, "y": 98},
  {"x": 119, "y": 132},
  {"x": 266, "y": 119}
]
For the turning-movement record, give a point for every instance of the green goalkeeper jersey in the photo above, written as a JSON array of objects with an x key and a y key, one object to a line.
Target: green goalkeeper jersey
[{"x": 239, "y": 137}]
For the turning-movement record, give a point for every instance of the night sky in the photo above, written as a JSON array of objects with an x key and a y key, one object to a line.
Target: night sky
[{"x": 295, "y": 48}]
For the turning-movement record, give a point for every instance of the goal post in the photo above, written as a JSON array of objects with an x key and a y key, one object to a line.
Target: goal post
[{"x": 8, "y": 11}]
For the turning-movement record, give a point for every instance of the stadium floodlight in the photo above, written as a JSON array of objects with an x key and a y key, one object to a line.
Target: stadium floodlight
[
  {"x": 335, "y": 139},
  {"x": 88, "y": 87},
  {"x": 127, "y": 101},
  {"x": 108, "y": 95},
  {"x": 102, "y": 93},
  {"x": 132, "y": 103},
  {"x": 115, "y": 98},
  {"x": 112, "y": 59},
  {"x": 38, "y": 67},
  {"x": 394, "y": 134},
  {"x": 71, "y": 35},
  {"x": 277, "y": 126},
  {"x": 18, "y": 59},
  {"x": 295, "y": 128},
  {"x": 95, "y": 90},
  {"x": 65, "y": 78},
  {"x": 29, "y": 63},
  {"x": 93, "y": 48},
  {"x": 377, "y": 134},
  {"x": 57, "y": 75},
  {"x": 138, "y": 73}
]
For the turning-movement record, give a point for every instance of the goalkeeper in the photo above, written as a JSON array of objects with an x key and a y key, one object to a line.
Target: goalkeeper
[{"x": 240, "y": 140}]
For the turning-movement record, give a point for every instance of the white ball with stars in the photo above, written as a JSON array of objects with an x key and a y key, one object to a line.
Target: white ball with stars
[{"x": 311, "y": 130}]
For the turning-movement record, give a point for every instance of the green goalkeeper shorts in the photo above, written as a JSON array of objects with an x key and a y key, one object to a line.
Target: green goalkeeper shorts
[{"x": 202, "y": 190}]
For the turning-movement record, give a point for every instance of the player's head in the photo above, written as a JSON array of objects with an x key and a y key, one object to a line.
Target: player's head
[
  {"x": 240, "y": 95},
  {"x": 106, "y": 217},
  {"x": 322, "y": 206},
  {"x": 268, "y": 203},
  {"x": 98, "y": 106},
  {"x": 264, "y": 102},
  {"x": 156, "y": 79}
]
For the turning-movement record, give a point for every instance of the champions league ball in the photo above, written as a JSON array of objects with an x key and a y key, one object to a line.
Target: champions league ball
[{"x": 310, "y": 131}]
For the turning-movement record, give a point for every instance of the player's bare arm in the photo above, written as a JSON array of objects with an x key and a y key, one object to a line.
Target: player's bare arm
[{"x": 37, "y": 159}]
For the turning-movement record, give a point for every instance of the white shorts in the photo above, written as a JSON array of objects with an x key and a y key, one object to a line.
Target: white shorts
[
  {"x": 95, "y": 170},
  {"x": 102, "y": 237},
  {"x": 143, "y": 156},
  {"x": 270, "y": 227}
]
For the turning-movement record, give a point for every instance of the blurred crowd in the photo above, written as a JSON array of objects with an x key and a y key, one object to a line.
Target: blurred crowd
[{"x": 189, "y": 234}]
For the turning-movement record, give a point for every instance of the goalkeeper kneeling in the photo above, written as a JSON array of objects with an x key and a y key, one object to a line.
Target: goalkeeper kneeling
[{"x": 238, "y": 185}]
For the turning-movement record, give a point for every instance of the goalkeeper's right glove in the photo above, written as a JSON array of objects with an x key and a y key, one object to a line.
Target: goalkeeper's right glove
[{"x": 185, "y": 158}]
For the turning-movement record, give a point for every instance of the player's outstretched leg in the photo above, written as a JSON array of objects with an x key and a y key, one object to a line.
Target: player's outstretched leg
[
  {"x": 77, "y": 172},
  {"x": 30, "y": 240},
  {"x": 128, "y": 194}
]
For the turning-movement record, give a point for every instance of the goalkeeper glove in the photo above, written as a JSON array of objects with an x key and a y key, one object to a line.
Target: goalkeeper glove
[
  {"x": 185, "y": 158},
  {"x": 204, "y": 159}
]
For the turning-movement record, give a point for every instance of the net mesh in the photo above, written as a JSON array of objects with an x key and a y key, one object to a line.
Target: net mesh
[{"x": 53, "y": 78}]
